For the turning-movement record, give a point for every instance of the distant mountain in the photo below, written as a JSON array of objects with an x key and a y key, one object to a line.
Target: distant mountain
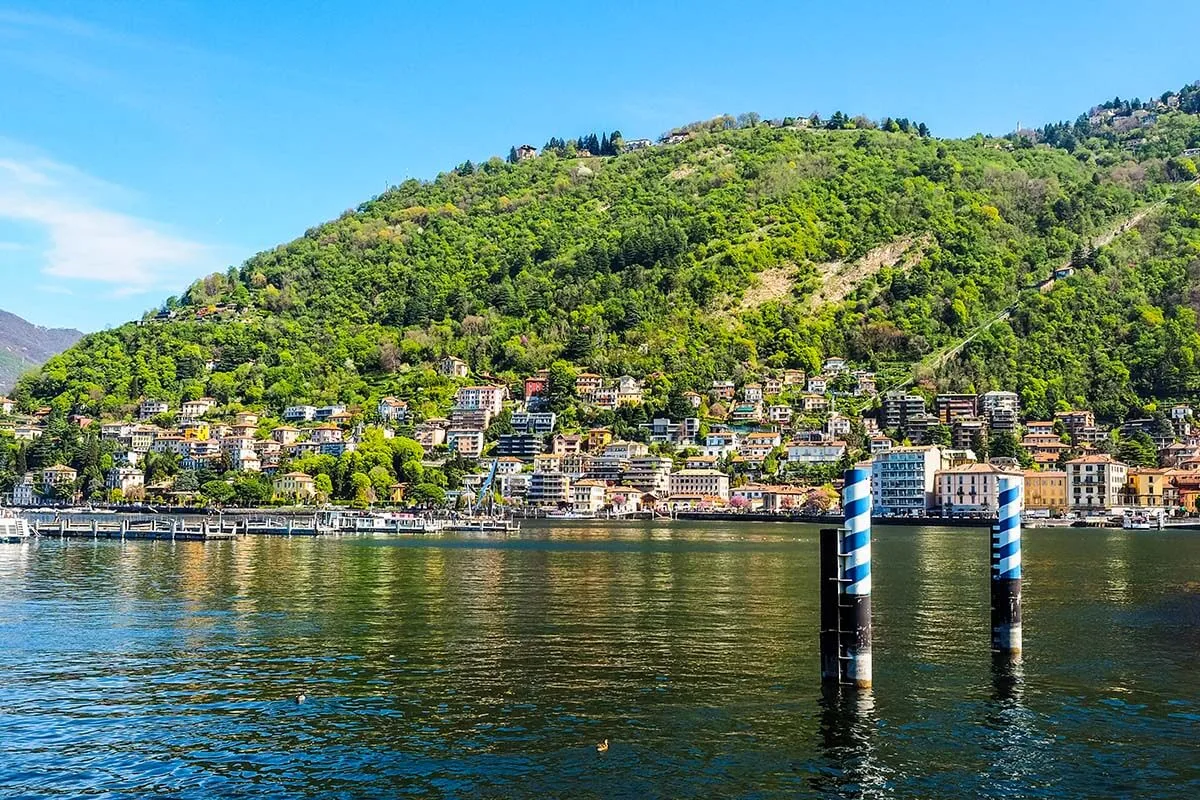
[{"x": 24, "y": 346}]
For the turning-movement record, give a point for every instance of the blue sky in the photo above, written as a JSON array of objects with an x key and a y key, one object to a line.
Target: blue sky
[{"x": 145, "y": 144}]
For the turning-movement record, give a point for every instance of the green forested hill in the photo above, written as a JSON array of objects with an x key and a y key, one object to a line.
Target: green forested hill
[{"x": 737, "y": 249}]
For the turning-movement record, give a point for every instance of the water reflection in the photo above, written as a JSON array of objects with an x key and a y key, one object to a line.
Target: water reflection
[
  {"x": 469, "y": 667},
  {"x": 851, "y": 766}
]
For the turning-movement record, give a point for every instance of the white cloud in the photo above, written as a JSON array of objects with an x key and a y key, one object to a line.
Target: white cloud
[{"x": 87, "y": 241}]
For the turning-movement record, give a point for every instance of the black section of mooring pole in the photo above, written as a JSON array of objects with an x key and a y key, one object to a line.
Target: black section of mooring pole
[
  {"x": 831, "y": 669},
  {"x": 1006, "y": 601},
  {"x": 855, "y": 623},
  {"x": 1006, "y": 613}
]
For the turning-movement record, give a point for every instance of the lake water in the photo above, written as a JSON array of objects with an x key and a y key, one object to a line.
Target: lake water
[{"x": 469, "y": 667}]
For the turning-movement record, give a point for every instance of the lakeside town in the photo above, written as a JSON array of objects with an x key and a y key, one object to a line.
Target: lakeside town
[{"x": 775, "y": 444}]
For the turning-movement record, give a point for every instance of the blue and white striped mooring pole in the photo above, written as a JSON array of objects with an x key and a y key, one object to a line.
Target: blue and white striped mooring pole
[
  {"x": 1006, "y": 567},
  {"x": 846, "y": 588}
]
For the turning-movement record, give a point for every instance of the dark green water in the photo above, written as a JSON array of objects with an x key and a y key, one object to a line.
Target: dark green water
[{"x": 491, "y": 667}]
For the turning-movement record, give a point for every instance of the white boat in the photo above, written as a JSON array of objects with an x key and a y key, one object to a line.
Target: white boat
[
  {"x": 14, "y": 529},
  {"x": 378, "y": 523},
  {"x": 483, "y": 525},
  {"x": 569, "y": 515},
  {"x": 1141, "y": 521}
]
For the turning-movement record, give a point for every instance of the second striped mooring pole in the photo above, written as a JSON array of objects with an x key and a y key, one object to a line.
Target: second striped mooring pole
[
  {"x": 846, "y": 588},
  {"x": 1006, "y": 567}
]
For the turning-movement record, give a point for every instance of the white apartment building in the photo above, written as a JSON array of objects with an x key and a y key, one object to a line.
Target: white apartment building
[
  {"x": 300, "y": 413},
  {"x": 587, "y": 497},
  {"x": 490, "y": 398},
  {"x": 704, "y": 482},
  {"x": 903, "y": 480},
  {"x": 803, "y": 453}
]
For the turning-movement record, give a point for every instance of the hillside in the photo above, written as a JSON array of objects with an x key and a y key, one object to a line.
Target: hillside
[
  {"x": 734, "y": 250},
  {"x": 24, "y": 346}
]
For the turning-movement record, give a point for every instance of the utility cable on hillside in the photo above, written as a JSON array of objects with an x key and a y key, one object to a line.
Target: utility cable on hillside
[{"x": 941, "y": 357}]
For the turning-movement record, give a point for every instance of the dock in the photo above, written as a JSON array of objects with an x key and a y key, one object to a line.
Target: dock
[
  {"x": 225, "y": 527},
  {"x": 169, "y": 529}
]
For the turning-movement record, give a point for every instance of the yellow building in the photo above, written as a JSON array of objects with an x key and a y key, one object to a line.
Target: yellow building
[
  {"x": 1148, "y": 487},
  {"x": 1046, "y": 490},
  {"x": 297, "y": 485},
  {"x": 196, "y": 431},
  {"x": 599, "y": 438}
]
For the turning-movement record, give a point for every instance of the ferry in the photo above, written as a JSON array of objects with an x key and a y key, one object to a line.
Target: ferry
[
  {"x": 13, "y": 528},
  {"x": 379, "y": 523}
]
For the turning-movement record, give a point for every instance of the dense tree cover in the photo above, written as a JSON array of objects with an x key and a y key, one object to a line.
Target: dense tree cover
[
  {"x": 1117, "y": 335},
  {"x": 60, "y": 443},
  {"x": 643, "y": 263}
]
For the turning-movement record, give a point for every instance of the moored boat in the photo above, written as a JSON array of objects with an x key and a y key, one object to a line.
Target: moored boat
[{"x": 13, "y": 528}]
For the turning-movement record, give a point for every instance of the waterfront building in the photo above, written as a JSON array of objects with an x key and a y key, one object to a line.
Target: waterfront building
[
  {"x": 970, "y": 489},
  {"x": 623, "y": 499},
  {"x": 649, "y": 475},
  {"x": 703, "y": 482},
  {"x": 1149, "y": 487},
  {"x": 130, "y": 481},
  {"x": 58, "y": 475},
  {"x": 1095, "y": 482},
  {"x": 514, "y": 486},
  {"x": 24, "y": 491},
  {"x": 1046, "y": 490},
  {"x": 587, "y": 496},
  {"x": 902, "y": 480},
  {"x": 549, "y": 489}
]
